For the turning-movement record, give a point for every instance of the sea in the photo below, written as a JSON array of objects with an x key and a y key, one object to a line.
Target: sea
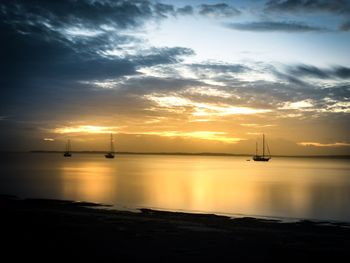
[{"x": 284, "y": 188}]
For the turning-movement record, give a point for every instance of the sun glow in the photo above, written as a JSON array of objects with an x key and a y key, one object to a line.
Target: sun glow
[
  {"x": 205, "y": 135},
  {"x": 85, "y": 129}
]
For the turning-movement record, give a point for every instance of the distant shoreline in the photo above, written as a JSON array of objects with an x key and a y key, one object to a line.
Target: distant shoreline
[{"x": 199, "y": 154}]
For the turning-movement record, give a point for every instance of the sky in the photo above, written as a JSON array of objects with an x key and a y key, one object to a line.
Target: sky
[{"x": 176, "y": 76}]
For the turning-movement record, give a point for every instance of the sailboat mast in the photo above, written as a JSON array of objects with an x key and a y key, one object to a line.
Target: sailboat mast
[
  {"x": 67, "y": 146},
  {"x": 263, "y": 145},
  {"x": 256, "y": 148},
  {"x": 112, "y": 148}
]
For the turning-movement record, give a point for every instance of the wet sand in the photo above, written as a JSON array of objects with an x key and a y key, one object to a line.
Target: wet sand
[{"x": 54, "y": 230}]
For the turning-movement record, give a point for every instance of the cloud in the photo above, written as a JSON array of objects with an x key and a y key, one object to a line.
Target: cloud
[
  {"x": 297, "y": 105},
  {"x": 237, "y": 84},
  {"x": 73, "y": 39},
  {"x": 186, "y": 10},
  {"x": 315, "y": 72},
  {"x": 337, "y": 7},
  {"x": 208, "y": 91},
  {"x": 342, "y": 72},
  {"x": 50, "y": 49},
  {"x": 180, "y": 104},
  {"x": 318, "y": 144},
  {"x": 345, "y": 26},
  {"x": 121, "y": 14},
  {"x": 163, "y": 10},
  {"x": 309, "y": 71},
  {"x": 219, "y": 67},
  {"x": 220, "y": 10},
  {"x": 289, "y": 27}
]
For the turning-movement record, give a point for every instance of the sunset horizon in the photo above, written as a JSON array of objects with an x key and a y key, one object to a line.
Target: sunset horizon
[
  {"x": 175, "y": 131},
  {"x": 165, "y": 76}
]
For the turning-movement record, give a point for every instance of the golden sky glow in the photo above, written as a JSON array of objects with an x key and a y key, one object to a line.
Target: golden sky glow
[
  {"x": 85, "y": 129},
  {"x": 176, "y": 78},
  {"x": 205, "y": 135}
]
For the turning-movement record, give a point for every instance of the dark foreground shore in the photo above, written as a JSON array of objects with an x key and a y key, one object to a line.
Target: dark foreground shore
[{"x": 53, "y": 230}]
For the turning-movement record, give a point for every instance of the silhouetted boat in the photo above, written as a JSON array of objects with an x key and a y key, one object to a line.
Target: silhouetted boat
[
  {"x": 263, "y": 157},
  {"x": 67, "y": 152},
  {"x": 110, "y": 154}
]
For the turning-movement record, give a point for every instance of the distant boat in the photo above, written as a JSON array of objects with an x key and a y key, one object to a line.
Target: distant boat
[
  {"x": 67, "y": 152},
  {"x": 263, "y": 157},
  {"x": 110, "y": 154}
]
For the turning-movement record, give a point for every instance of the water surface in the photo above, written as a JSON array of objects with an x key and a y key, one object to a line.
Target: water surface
[{"x": 284, "y": 187}]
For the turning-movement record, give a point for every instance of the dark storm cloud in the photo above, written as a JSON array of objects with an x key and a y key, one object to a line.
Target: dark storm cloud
[
  {"x": 218, "y": 10},
  {"x": 274, "y": 27},
  {"x": 186, "y": 10},
  {"x": 33, "y": 55},
  {"x": 336, "y": 6},
  {"x": 342, "y": 72},
  {"x": 345, "y": 26},
  {"x": 312, "y": 71},
  {"x": 309, "y": 71},
  {"x": 36, "y": 41},
  {"x": 122, "y": 14},
  {"x": 42, "y": 63}
]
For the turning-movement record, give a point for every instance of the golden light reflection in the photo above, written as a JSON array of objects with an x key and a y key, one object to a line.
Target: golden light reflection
[
  {"x": 228, "y": 185},
  {"x": 203, "y": 188},
  {"x": 88, "y": 181}
]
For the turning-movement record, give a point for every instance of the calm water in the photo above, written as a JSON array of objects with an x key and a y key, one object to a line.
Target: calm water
[{"x": 283, "y": 187}]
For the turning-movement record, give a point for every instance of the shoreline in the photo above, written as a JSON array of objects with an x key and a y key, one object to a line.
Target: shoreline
[
  {"x": 80, "y": 231},
  {"x": 139, "y": 209}
]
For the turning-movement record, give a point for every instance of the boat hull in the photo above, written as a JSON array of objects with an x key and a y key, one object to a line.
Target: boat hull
[
  {"x": 261, "y": 159},
  {"x": 109, "y": 155}
]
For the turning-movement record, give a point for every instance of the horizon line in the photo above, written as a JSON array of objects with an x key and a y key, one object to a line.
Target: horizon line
[{"x": 185, "y": 153}]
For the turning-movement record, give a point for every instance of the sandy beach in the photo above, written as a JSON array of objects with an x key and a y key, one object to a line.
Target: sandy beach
[{"x": 55, "y": 230}]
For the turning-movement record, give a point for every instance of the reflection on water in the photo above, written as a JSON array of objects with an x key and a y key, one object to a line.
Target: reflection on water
[
  {"x": 284, "y": 187},
  {"x": 87, "y": 181}
]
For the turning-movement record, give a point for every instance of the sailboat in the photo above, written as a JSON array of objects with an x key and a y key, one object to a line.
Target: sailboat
[
  {"x": 263, "y": 157},
  {"x": 67, "y": 152},
  {"x": 110, "y": 154}
]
